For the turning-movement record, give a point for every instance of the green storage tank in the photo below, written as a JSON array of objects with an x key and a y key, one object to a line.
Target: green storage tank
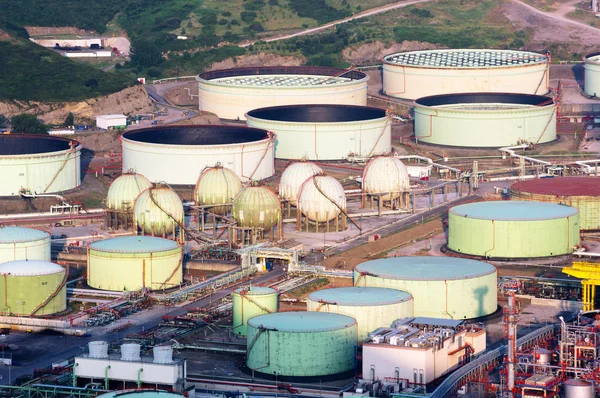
[
  {"x": 580, "y": 192},
  {"x": 442, "y": 287},
  {"x": 217, "y": 186},
  {"x": 251, "y": 301},
  {"x": 32, "y": 288},
  {"x": 257, "y": 207},
  {"x": 513, "y": 229},
  {"x": 130, "y": 263},
  {"x": 158, "y": 211},
  {"x": 124, "y": 190},
  {"x": 301, "y": 344},
  {"x": 372, "y": 307}
]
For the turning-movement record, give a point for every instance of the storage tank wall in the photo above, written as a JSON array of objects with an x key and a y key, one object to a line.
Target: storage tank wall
[{"x": 247, "y": 305}]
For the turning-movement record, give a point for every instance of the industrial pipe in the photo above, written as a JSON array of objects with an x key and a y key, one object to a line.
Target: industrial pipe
[
  {"x": 139, "y": 378},
  {"x": 106, "y": 377},
  {"x": 75, "y": 374}
]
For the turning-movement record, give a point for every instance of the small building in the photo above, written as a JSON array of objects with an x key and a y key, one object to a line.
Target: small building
[
  {"x": 420, "y": 350},
  {"x": 91, "y": 53},
  {"x": 108, "y": 122}
]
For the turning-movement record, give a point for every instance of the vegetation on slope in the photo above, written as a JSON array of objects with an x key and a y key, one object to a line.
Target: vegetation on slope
[{"x": 33, "y": 73}]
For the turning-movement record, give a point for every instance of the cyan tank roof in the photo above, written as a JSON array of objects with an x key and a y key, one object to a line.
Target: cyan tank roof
[
  {"x": 139, "y": 394},
  {"x": 30, "y": 267},
  {"x": 134, "y": 244},
  {"x": 360, "y": 296},
  {"x": 20, "y": 234},
  {"x": 425, "y": 268},
  {"x": 514, "y": 210},
  {"x": 302, "y": 321},
  {"x": 255, "y": 290}
]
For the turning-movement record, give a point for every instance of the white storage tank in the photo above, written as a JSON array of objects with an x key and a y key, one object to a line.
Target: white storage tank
[
  {"x": 386, "y": 174},
  {"x": 577, "y": 388},
  {"x": 130, "y": 352},
  {"x": 325, "y": 132},
  {"x": 216, "y": 187},
  {"x": 178, "y": 154},
  {"x": 372, "y": 307},
  {"x": 231, "y": 93},
  {"x": 163, "y": 354},
  {"x": 18, "y": 243},
  {"x": 591, "y": 66},
  {"x": 158, "y": 211},
  {"x": 293, "y": 177},
  {"x": 321, "y": 198},
  {"x": 98, "y": 349}
]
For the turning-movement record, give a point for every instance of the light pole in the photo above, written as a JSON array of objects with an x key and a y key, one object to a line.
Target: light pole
[{"x": 276, "y": 386}]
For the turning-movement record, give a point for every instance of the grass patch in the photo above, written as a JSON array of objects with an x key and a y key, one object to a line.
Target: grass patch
[{"x": 309, "y": 287}]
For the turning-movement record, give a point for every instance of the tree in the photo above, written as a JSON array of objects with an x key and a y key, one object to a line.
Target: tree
[
  {"x": 4, "y": 121},
  {"x": 145, "y": 54},
  {"x": 69, "y": 120},
  {"x": 27, "y": 124},
  {"x": 91, "y": 83}
]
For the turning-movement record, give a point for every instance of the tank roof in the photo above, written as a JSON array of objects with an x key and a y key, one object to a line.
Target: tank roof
[
  {"x": 318, "y": 113},
  {"x": 31, "y": 144},
  {"x": 465, "y": 59},
  {"x": 561, "y": 186},
  {"x": 514, "y": 210},
  {"x": 594, "y": 57},
  {"x": 360, "y": 296},
  {"x": 140, "y": 394},
  {"x": 425, "y": 268},
  {"x": 196, "y": 135},
  {"x": 302, "y": 321},
  {"x": 30, "y": 267},
  {"x": 291, "y": 76},
  {"x": 134, "y": 244},
  {"x": 20, "y": 234},
  {"x": 492, "y": 100},
  {"x": 256, "y": 290}
]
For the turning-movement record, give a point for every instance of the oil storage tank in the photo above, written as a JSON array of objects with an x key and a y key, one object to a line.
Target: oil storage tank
[
  {"x": 386, "y": 175},
  {"x": 582, "y": 193},
  {"x": 322, "y": 199},
  {"x": 124, "y": 190},
  {"x": 32, "y": 288},
  {"x": 591, "y": 66},
  {"x": 417, "y": 74},
  {"x": 301, "y": 344},
  {"x": 325, "y": 132},
  {"x": 187, "y": 150},
  {"x": 158, "y": 211},
  {"x": 442, "y": 287},
  {"x": 257, "y": 212},
  {"x": 250, "y": 301},
  {"x": 371, "y": 307},
  {"x": 38, "y": 164},
  {"x": 577, "y": 388},
  {"x": 143, "y": 394},
  {"x": 216, "y": 188},
  {"x": 130, "y": 263},
  {"x": 18, "y": 243},
  {"x": 293, "y": 177},
  {"x": 485, "y": 119},
  {"x": 513, "y": 229},
  {"x": 231, "y": 93}
]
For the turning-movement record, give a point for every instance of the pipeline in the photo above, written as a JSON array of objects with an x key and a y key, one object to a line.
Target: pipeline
[{"x": 54, "y": 294}]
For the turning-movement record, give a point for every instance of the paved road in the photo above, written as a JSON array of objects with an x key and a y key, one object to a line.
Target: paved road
[
  {"x": 364, "y": 14},
  {"x": 33, "y": 351},
  {"x": 558, "y": 16}
]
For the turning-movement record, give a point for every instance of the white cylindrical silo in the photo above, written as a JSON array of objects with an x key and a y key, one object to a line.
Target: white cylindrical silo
[
  {"x": 130, "y": 352},
  {"x": 163, "y": 354},
  {"x": 98, "y": 349}
]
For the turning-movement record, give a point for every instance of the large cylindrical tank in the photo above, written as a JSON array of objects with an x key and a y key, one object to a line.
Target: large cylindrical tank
[
  {"x": 32, "y": 288},
  {"x": 98, "y": 349},
  {"x": 513, "y": 229},
  {"x": 386, "y": 174},
  {"x": 158, "y": 211},
  {"x": 580, "y": 192},
  {"x": 591, "y": 66},
  {"x": 231, "y": 93},
  {"x": 372, "y": 307},
  {"x": 130, "y": 263},
  {"x": 485, "y": 119},
  {"x": 442, "y": 287},
  {"x": 18, "y": 243},
  {"x": 321, "y": 198},
  {"x": 542, "y": 356},
  {"x": 163, "y": 354},
  {"x": 301, "y": 344},
  {"x": 216, "y": 187},
  {"x": 577, "y": 388},
  {"x": 130, "y": 352},
  {"x": 257, "y": 207},
  {"x": 251, "y": 301},
  {"x": 293, "y": 177},
  {"x": 38, "y": 164},
  {"x": 124, "y": 190},
  {"x": 178, "y": 154},
  {"x": 417, "y": 74},
  {"x": 146, "y": 394},
  {"x": 325, "y": 132}
]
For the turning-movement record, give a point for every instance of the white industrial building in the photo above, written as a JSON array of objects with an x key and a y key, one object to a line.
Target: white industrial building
[
  {"x": 129, "y": 367},
  {"x": 108, "y": 122},
  {"x": 420, "y": 350},
  {"x": 88, "y": 54}
]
